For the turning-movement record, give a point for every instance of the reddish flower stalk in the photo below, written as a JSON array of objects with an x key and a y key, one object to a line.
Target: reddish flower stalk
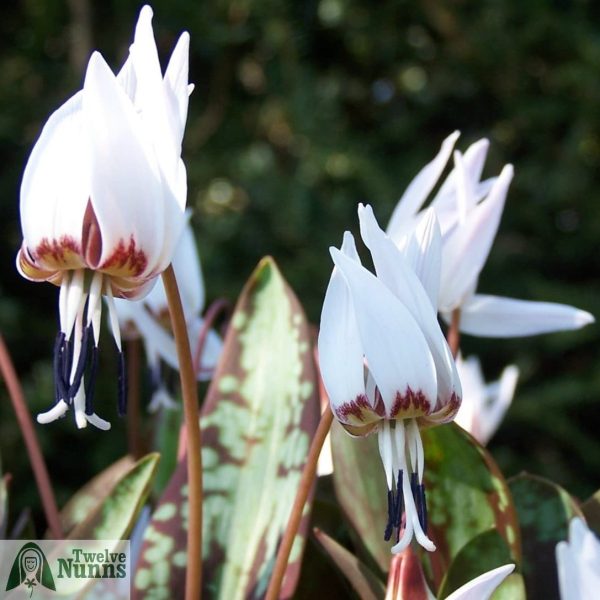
[
  {"x": 453, "y": 335},
  {"x": 189, "y": 392},
  {"x": 36, "y": 457}
]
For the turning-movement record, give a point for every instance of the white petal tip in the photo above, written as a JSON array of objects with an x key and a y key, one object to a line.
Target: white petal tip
[
  {"x": 583, "y": 318},
  {"x": 146, "y": 12}
]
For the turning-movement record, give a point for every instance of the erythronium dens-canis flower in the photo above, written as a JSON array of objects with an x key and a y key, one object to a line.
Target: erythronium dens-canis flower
[
  {"x": 103, "y": 204},
  {"x": 384, "y": 360}
]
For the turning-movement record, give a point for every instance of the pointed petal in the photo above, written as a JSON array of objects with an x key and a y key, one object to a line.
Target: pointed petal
[
  {"x": 482, "y": 587},
  {"x": 420, "y": 187},
  {"x": 160, "y": 117},
  {"x": 396, "y": 350},
  {"x": 127, "y": 195},
  {"x": 424, "y": 253},
  {"x": 499, "y": 398},
  {"x": 341, "y": 356},
  {"x": 494, "y": 316},
  {"x": 176, "y": 81},
  {"x": 56, "y": 188},
  {"x": 395, "y": 272},
  {"x": 466, "y": 248}
]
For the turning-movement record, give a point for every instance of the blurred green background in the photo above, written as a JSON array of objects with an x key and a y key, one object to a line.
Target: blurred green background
[{"x": 303, "y": 109}]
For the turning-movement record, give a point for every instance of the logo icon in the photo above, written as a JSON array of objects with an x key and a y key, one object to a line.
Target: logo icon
[{"x": 30, "y": 569}]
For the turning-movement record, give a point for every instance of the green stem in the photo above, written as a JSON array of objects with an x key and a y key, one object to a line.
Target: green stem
[
  {"x": 189, "y": 392},
  {"x": 36, "y": 458},
  {"x": 306, "y": 483}
]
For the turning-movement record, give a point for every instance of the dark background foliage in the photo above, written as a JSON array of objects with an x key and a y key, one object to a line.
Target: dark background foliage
[{"x": 303, "y": 109}]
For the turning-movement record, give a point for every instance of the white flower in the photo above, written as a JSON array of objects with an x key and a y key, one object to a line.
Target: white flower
[
  {"x": 384, "y": 360},
  {"x": 469, "y": 212},
  {"x": 578, "y": 562},
  {"x": 484, "y": 405},
  {"x": 482, "y": 587},
  {"x": 148, "y": 318},
  {"x": 102, "y": 202}
]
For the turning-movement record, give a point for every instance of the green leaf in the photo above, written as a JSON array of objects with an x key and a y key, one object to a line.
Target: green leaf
[
  {"x": 544, "y": 511},
  {"x": 466, "y": 496},
  {"x": 364, "y": 582},
  {"x": 115, "y": 515},
  {"x": 360, "y": 488},
  {"x": 483, "y": 553},
  {"x": 260, "y": 414},
  {"x": 92, "y": 494}
]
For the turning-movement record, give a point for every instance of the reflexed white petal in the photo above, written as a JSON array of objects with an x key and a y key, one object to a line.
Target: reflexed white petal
[
  {"x": 340, "y": 348},
  {"x": 494, "y": 316},
  {"x": 160, "y": 118},
  {"x": 482, "y": 587},
  {"x": 466, "y": 248},
  {"x": 176, "y": 81},
  {"x": 499, "y": 398},
  {"x": 156, "y": 335},
  {"x": 56, "y": 182},
  {"x": 393, "y": 270},
  {"x": 127, "y": 194},
  {"x": 186, "y": 263},
  {"x": 472, "y": 162},
  {"x": 578, "y": 563},
  {"x": 420, "y": 187},
  {"x": 424, "y": 253},
  {"x": 396, "y": 351}
]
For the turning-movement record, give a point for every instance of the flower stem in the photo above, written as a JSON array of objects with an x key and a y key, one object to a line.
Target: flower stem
[
  {"x": 189, "y": 392},
  {"x": 306, "y": 482},
  {"x": 453, "y": 335},
  {"x": 36, "y": 458},
  {"x": 134, "y": 438}
]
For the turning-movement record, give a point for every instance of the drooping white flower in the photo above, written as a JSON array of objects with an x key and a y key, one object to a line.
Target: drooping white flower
[
  {"x": 102, "y": 203},
  {"x": 578, "y": 562},
  {"x": 484, "y": 405},
  {"x": 469, "y": 212},
  {"x": 384, "y": 361},
  {"x": 149, "y": 319}
]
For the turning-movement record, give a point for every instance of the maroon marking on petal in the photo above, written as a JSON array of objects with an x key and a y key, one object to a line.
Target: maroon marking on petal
[
  {"x": 126, "y": 258},
  {"x": 59, "y": 250},
  {"x": 379, "y": 404},
  {"x": 415, "y": 402},
  {"x": 91, "y": 238},
  {"x": 354, "y": 409}
]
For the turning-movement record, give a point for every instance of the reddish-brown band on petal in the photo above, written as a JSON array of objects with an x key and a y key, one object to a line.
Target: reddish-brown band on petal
[
  {"x": 445, "y": 414},
  {"x": 29, "y": 269},
  {"x": 410, "y": 404},
  {"x": 126, "y": 260},
  {"x": 358, "y": 412},
  {"x": 58, "y": 254}
]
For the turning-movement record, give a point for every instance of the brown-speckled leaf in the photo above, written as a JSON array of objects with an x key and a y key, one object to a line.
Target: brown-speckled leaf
[
  {"x": 360, "y": 488},
  {"x": 115, "y": 516},
  {"x": 544, "y": 511},
  {"x": 260, "y": 414},
  {"x": 364, "y": 582},
  {"x": 89, "y": 497},
  {"x": 466, "y": 496}
]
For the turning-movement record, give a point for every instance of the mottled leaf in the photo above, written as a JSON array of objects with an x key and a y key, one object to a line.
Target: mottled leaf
[
  {"x": 544, "y": 511},
  {"x": 364, "y": 582},
  {"x": 259, "y": 416},
  {"x": 166, "y": 439},
  {"x": 591, "y": 511},
  {"x": 89, "y": 497},
  {"x": 115, "y": 516},
  {"x": 466, "y": 496},
  {"x": 483, "y": 553},
  {"x": 360, "y": 488}
]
